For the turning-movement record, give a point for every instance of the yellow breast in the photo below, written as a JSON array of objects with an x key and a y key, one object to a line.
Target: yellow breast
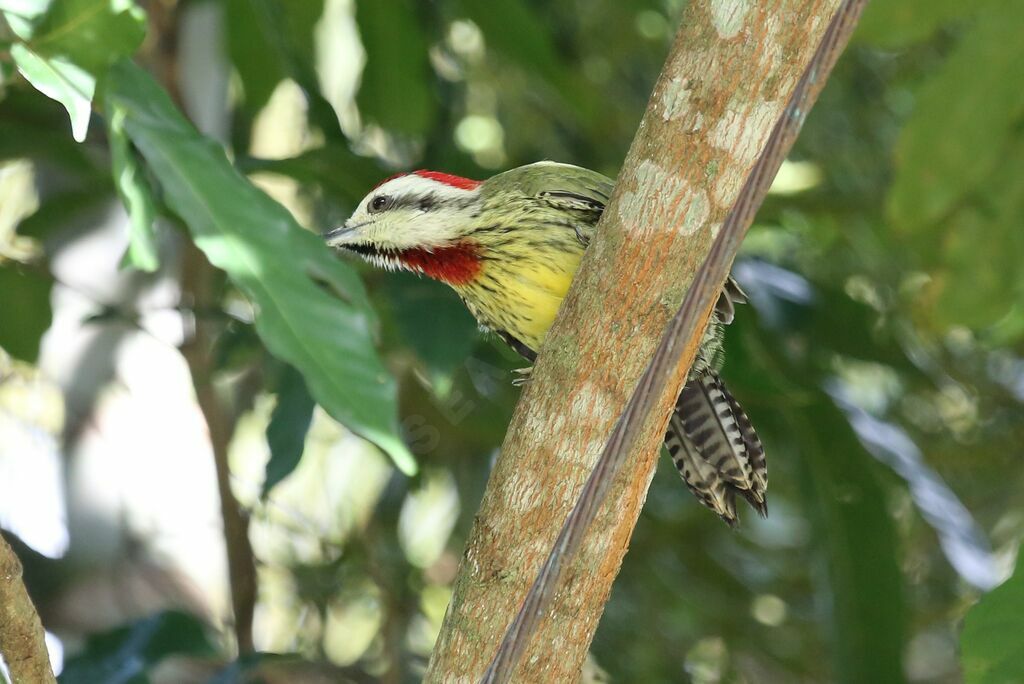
[{"x": 521, "y": 297}]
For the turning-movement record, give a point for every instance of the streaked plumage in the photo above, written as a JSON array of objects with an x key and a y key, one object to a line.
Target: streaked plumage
[{"x": 510, "y": 246}]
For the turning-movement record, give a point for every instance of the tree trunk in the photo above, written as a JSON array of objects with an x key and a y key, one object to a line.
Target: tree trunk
[{"x": 731, "y": 71}]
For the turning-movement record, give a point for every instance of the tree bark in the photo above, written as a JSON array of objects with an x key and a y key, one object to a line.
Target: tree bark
[
  {"x": 22, "y": 642},
  {"x": 729, "y": 75}
]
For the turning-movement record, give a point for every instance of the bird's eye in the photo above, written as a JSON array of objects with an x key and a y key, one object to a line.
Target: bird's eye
[{"x": 379, "y": 203}]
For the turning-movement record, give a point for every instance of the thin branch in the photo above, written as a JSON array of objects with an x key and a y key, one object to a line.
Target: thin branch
[
  {"x": 22, "y": 642},
  {"x": 677, "y": 346},
  {"x": 200, "y": 284},
  {"x": 199, "y": 290}
]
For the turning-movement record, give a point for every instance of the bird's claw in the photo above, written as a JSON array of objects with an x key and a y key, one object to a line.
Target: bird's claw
[{"x": 524, "y": 376}]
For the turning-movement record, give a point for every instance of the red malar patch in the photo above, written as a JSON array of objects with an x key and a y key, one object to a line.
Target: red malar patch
[
  {"x": 455, "y": 265},
  {"x": 449, "y": 179}
]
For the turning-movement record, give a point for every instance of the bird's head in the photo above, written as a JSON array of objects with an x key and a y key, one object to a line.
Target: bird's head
[{"x": 417, "y": 221}]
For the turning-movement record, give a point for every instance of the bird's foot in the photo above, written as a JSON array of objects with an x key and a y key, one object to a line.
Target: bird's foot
[{"x": 524, "y": 376}]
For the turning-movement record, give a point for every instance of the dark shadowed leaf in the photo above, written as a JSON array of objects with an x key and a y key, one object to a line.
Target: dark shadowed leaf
[
  {"x": 433, "y": 321},
  {"x": 341, "y": 175},
  {"x": 962, "y": 119},
  {"x": 977, "y": 282},
  {"x": 515, "y": 31},
  {"x": 24, "y": 311},
  {"x": 857, "y": 537},
  {"x": 993, "y": 638},
  {"x": 269, "y": 40},
  {"x": 395, "y": 91},
  {"x": 28, "y": 121},
  {"x": 289, "y": 423},
  {"x": 259, "y": 67},
  {"x": 328, "y": 337},
  {"x": 127, "y": 654},
  {"x": 135, "y": 193}
]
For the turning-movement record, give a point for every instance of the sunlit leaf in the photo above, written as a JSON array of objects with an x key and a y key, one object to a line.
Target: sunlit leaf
[
  {"x": 395, "y": 90},
  {"x": 962, "y": 119},
  {"x": 71, "y": 44},
  {"x": 289, "y": 423},
  {"x": 24, "y": 311},
  {"x": 62, "y": 81},
  {"x": 993, "y": 637},
  {"x": 329, "y": 338},
  {"x": 29, "y": 9},
  {"x": 135, "y": 193},
  {"x": 21, "y": 15},
  {"x": 127, "y": 654}
]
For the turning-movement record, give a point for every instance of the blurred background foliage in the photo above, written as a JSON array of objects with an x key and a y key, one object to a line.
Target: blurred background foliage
[{"x": 882, "y": 358}]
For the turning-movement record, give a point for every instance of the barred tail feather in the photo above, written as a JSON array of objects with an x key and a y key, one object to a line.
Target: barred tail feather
[
  {"x": 755, "y": 451},
  {"x": 715, "y": 448},
  {"x": 701, "y": 478}
]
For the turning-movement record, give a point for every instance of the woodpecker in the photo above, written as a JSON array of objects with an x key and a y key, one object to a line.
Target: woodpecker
[{"x": 509, "y": 246}]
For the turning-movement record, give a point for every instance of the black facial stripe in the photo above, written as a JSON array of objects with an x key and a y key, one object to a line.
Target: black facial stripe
[
  {"x": 427, "y": 202},
  {"x": 423, "y": 202}
]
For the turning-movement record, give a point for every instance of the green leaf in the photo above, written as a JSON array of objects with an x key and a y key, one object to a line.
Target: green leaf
[
  {"x": 24, "y": 311},
  {"x": 284, "y": 32},
  {"x": 992, "y": 641},
  {"x": 859, "y": 542},
  {"x": 976, "y": 283},
  {"x": 395, "y": 91},
  {"x": 273, "y": 260},
  {"x": 127, "y": 654},
  {"x": 900, "y": 23},
  {"x": 62, "y": 81},
  {"x": 24, "y": 8},
  {"x": 962, "y": 119},
  {"x": 62, "y": 209},
  {"x": 432, "y": 320},
  {"x": 28, "y": 120},
  {"x": 71, "y": 45},
  {"x": 93, "y": 34},
  {"x": 21, "y": 15},
  {"x": 259, "y": 67},
  {"x": 341, "y": 175},
  {"x": 289, "y": 423},
  {"x": 514, "y": 30},
  {"x": 136, "y": 195}
]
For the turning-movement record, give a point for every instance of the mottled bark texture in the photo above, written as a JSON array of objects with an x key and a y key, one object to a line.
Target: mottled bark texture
[
  {"x": 733, "y": 67},
  {"x": 21, "y": 633}
]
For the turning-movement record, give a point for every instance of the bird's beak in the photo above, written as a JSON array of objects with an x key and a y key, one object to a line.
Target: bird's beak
[{"x": 342, "y": 234}]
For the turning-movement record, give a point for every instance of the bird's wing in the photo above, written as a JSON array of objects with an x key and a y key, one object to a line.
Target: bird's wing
[{"x": 579, "y": 192}]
